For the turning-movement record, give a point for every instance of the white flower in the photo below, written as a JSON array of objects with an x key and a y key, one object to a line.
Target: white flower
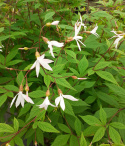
[
  {"x": 61, "y": 100},
  {"x": 1, "y": 47},
  {"x": 118, "y": 36},
  {"x": 77, "y": 38},
  {"x": 55, "y": 23},
  {"x": 43, "y": 62},
  {"x": 82, "y": 24},
  {"x": 94, "y": 31},
  {"x": 45, "y": 104},
  {"x": 117, "y": 41},
  {"x": 54, "y": 43},
  {"x": 20, "y": 99}
]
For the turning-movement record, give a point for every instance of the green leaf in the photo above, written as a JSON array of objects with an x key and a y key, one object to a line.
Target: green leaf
[
  {"x": 37, "y": 94},
  {"x": 58, "y": 68},
  {"x": 78, "y": 127},
  {"x": 102, "y": 65},
  {"x": 11, "y": 88},
  {"x": 5, "y": 79},
  {"x": 16, "y": 124},
  {"x": 99, "y": 134},
  {"x": 71, "y": 53},
  {"x": 73, "y": 141},
  {"x": 11, "y": 55},
  {"x": 49, "y": 15},
  {"x": 107, "y": 76},
  {"x": 74, "y": 71},
  {"x": 6, "y": 128},
  {"x": 63, "y": 82},
  {"x": 47, "y": 80},
  {"x": 47, "y": 127},
  {"x": 108, "y": 99},
  {"x": 61, "y": 140},
  {"x": 91, "y": 120},
  {"x": 119, "y": 51},
  {"x": 13, "y": 62},
  {"x": 117, "y": 125},
  {"x": 83, "y": 65},
  {"x": 18, "y": 141},
  {"x": 114, "y": 135},
  {"x": 3, "y": 98},
  {"x": 82, "y": 140},
  {"x": 68, "y": 108},
  {"x": 40, "y": 136},
  {"x": 1, "y": 29},
  {"x": 20, "y": 77},
  {"x": 117, "y": 89},
  {"x": 103, "y": 116},
  {"x": 35, "y": 111},
  {"x": 64, "y": 128},
  {"x": 24, "y": 110}
]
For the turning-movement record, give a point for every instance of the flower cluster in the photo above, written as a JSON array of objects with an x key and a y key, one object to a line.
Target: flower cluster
[
  {"x": 41, "y": 61},
  {"x": 118, "y": 35}
]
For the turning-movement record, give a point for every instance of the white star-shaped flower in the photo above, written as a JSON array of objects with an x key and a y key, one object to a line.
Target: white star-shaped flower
[
  {"x": 60, "y": 100},
  {"x": 54, "y": 43},
  {"x": 81, "y": 23},
  {"x": 77, "y": 38},
  {"x": 45, "y": 104},
  {"x": 41, "y": 61},
  {"x": 94, "y": 31},
  {"x": 20, "y": 99},
  {"x": 118, "y": 36}
]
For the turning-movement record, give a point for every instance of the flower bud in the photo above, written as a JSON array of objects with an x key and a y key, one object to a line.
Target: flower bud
[
  {"x": 21, "y": 88},
  {"x": 37, "y": 54},
  {"x": 69, "y": 39},
  {"x": 7, "y": 144},
  {"x": 48, "y": 24},
  {"x": 124, "y": 35},
  {"x": 119, "y": 32},
  {"x": 59, "y": 91},
  {"x": 88, "y": 32},
  {"x": 47, "y": 92},
  {"x": 26, "y": 48},
  {"x": 74, "y": 77},
  {"x": 45, "y": 39},
  {"x": 35, "y": 143},
  {"x": 27, "y": 87}
]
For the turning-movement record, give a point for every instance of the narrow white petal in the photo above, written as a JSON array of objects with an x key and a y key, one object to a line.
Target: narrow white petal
[
  {"x": 82, "y": 43},
  {"x": 45, "y": 65},
  {"x": 41, "y": 57},
  {"x": 55, "y": 23},
  {"x": 62, "y": 104},
  {"x": 78, "y": 37},
  {"x": 117, "y": 41},
  {"x": 57, "y": 44},
  {"x": 80, "y": 18},
  {"x": 28, "y": 99},
  {"x": 13, "y": 100},
  {"x": 70, "y": 97},
  {"x": 37, "y": 68},
  {"x": 22, "y": 100},
  {"x": 18, "y": 101},
  {"x": 78, "y": 45},
  {"x": 48, "y": 60},
  {"x": 51, "y": 50},
  {"x": 57, "y": 100},
  {"x": 34, "y": 64},
  {"x": 1, "y": 50}
]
